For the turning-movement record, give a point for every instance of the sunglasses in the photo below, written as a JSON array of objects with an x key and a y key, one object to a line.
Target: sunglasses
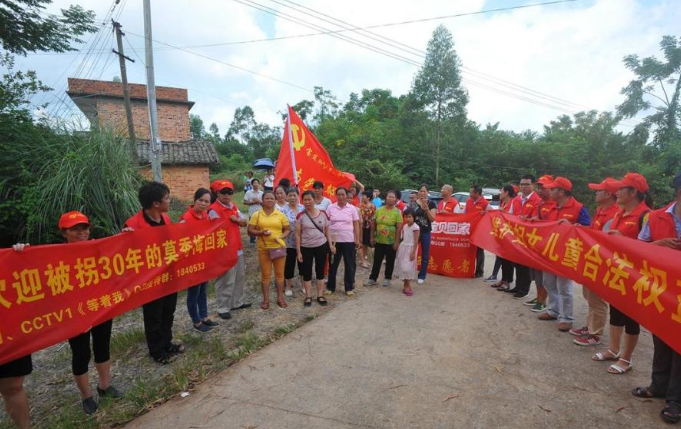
[{"x": 227, "y": 191}]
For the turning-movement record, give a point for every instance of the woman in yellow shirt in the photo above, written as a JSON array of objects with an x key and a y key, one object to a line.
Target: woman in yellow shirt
[{"x": 270, "y": 227}]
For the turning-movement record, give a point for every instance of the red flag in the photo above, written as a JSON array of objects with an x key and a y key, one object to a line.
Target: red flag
[{"x": 301, "y": 152}]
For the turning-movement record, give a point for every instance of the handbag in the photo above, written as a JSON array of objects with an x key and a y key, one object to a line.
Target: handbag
[
  {"x": 274, "y": 254},
  {"x": 328, "y": 245}
]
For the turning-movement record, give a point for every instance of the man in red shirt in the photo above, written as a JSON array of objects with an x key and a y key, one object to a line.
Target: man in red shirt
[
  {"x": 561, "y": 289},
  {"x": 229, "y": 287},
  {"x": 448, "y": 203},
  {"x": 523, "y": 206},
  {"x": 477, "y": 203},
  {"x": 606, "y": 198}
]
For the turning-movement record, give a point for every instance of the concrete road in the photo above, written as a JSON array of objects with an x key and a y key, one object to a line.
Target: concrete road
[{"x": 457, "y": 354}]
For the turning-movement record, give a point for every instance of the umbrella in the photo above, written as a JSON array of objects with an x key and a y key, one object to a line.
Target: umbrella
[{"x": 263, "y": 164}]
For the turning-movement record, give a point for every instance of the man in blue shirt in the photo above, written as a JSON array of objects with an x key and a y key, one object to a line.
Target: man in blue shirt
[{"x": 377, "y": 202}]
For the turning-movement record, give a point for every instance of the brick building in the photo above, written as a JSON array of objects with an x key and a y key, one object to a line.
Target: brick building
[{"x": 185, "y": 161}]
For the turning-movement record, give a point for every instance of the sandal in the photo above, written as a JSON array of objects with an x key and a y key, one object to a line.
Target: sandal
[
  {"x": 617, "y": 370},
  {"x": 307, "y": 302},
  {"x": 265, "y": 305},
  {"x": 671, "y": 412},
  {"x": 645, "y": 393},
  {"x": 175, "y": 349},
  {"x": 282, "y": 304},
  {"x": 600, "y": 356},
  {"x": 323, "y": 302}
]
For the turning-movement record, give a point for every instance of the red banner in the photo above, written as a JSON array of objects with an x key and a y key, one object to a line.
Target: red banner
[
  {"x": 51, "y": 293},
  {"x": 451, "y": 252},
  {"x": 302, "y": 152},
  {"x": 640, "y": 279}
]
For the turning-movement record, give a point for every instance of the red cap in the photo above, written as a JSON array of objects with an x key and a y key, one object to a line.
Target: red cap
[
  {"x": 608, "y": 184},
  {"x": 545, "y": 180},
  {"x": 560, "y": 182},
  {"x": 633, "y": 180},
  {"x": 71, "y": 219},
  {"x": 217, "y": 185}
]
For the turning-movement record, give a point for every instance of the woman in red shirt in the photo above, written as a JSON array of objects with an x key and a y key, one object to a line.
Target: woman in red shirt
[
  {"x": 197, "y": 300},
  {"x": 632, "y": 198}
]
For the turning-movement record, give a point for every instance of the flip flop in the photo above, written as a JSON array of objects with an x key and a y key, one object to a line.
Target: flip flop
[
  {"x": 282, "y": 304},
  {"x": 645, "y": 393},
  {"x": 265, "y": 305},
  {"x": 408, "y": 293}
]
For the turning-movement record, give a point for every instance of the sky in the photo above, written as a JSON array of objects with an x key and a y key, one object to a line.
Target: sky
[{"x": 522, "y": 68}]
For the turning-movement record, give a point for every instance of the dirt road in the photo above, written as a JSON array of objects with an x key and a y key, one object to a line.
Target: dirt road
[{"x": 457, "y": 354}]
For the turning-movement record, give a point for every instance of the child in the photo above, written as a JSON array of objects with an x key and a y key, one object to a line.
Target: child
[{"x": 406, "y": 254}]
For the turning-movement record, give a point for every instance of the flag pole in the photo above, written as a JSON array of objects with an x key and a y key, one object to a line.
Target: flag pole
[{"x": 290, "y": 145}]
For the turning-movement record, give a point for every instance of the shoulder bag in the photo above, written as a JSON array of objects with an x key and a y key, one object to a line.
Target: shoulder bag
[{"x": 277, "y": 253}]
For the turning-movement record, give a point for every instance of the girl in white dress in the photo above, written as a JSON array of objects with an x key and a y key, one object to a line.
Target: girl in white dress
[{"x": 406, "y": 254}]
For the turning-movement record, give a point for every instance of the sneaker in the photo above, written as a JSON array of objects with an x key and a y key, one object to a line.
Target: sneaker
[
  {"x": 538, "y": 308},
  {"x": 225, "y": 316},
  {"x": 210, "y": 323},
  {"x": 546, "y": 316},
  {"x": 511, "y": 291},
  {"x": 350, "y": 294},
  {"x": 491, "y": 279},
  {"x": 588, "y": 340},
  {"x": 89, "y": 406},
  {"x": 370, "y": 282},
  {"x": 288, "y": 292},
  {"x": 386, "y": 283},
  {"x": 479, "y": 275},
  {"x": 531, "y": 302},
  {"x": 579, "y": 332},
  {"x": 420, "y": 281},
  {"x": 202, "y": 327},
  {"x": 109, "y": 392}
]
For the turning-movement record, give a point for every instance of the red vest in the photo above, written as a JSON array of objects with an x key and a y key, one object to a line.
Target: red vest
[
  {"x": 529, "y": 207},
  {"x": 544, "y": 209},
  {"x": 630, "y": 225},
  {"x": 138, "y": 222},
  {"x": 226, "y": 213},
  {"x": 449, "y": 206},
  {"x": 480, "y": 205},
  {"x": 603, "y": 216},
  {"x": 662, "y": 224},
  {"x": 570, "y": 211},
  {"x": 190, "y": 215}
]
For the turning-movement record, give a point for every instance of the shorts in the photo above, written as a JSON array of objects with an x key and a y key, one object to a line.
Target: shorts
[
  {"x": 366, "y": 237},
  {"x": 17, "y": 368}
]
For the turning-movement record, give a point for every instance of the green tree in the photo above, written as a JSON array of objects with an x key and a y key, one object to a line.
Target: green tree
[
  {"x": 242, "y": 124},
  {"x": 196, "y": 127},
  {"x": 24, "y": 29},
  {"x": 437, "y": 90}
]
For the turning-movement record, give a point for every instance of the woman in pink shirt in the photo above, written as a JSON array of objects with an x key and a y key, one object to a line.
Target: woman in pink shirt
[{"x": 344, "y": 226}]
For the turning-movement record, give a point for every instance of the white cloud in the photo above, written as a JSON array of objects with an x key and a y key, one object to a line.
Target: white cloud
[{"x": 572, "y": 51}]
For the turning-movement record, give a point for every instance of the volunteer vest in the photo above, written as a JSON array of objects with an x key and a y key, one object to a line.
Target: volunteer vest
[
  {"x": 569, "y": 211},
  {"x": 190, "y": 215},
  {"x": 544, "y": 209},
  {"x": 226, "y": 213},
  {"x": 479, "y": 205},
  {"x": 603, "y": 216},
  {"x": 661, "y": 224},
  {"x": 138, "y": 222},
  {"x": 530, "y": 205},
  {"x": 630, "y": 225}
]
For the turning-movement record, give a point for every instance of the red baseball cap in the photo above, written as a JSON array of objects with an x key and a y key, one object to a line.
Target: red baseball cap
[
  {"x": 560, "y": 182},
  {"x": 608, "y": 184},
  {"x": 633, "y": 180},
  {"x": 545, "y": 180},
  {"x": 71, "y": 219},
  {"x": 217, "y": 185}
]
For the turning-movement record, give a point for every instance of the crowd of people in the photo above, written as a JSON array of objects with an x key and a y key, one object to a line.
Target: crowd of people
[{"x": 312, "y": 234}]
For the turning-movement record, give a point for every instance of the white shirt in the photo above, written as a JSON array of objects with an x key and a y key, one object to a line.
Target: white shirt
[{"x": 324, "y": 204}]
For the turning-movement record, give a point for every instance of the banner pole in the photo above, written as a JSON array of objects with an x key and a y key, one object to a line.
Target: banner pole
[{"x": 290, "y": 145}]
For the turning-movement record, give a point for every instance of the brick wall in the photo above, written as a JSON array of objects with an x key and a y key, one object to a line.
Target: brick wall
[
  {"x": 182, "y": 180},
  {"x": 89, "y": 86},
  {"x": 173, "y": 119}
]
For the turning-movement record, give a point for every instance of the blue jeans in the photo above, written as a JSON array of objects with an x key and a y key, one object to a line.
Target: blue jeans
[
  {"x": 424, "y": 239},
  {"x": 197, "y": 302}
]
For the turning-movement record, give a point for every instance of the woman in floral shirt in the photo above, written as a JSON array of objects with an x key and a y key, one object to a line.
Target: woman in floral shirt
[{"x": 366, "y": 212}]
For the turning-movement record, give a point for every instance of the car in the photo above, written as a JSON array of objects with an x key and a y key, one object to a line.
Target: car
[{"x": 433, "y": 196}]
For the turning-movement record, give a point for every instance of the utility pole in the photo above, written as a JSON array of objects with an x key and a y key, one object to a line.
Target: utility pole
[
  {"x": 154, "y": 140},
  {"x": 126, "y": 93}
]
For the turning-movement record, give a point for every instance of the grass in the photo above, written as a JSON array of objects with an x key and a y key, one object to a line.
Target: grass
[{"x": 124, "y": 344}]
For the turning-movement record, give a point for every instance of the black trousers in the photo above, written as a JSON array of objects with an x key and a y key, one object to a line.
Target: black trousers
[
  {"x": 291, "y": 262},
  {"x": 383, "y": 251},
  {"x": 480, "y": 262},
  {"x": 80, "y": 347},
  {"x": 522, "y": 279},
  {"x": 666, "y": 371},
  {"x": 314, "y": 256},
  {"x": 619, "y": 319},
  {"x": 347, "y": 252},
  {"x": 507, "y": 268},
  {"x": 497, "y": 265},
  {"x": 158, "y": 324}
]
